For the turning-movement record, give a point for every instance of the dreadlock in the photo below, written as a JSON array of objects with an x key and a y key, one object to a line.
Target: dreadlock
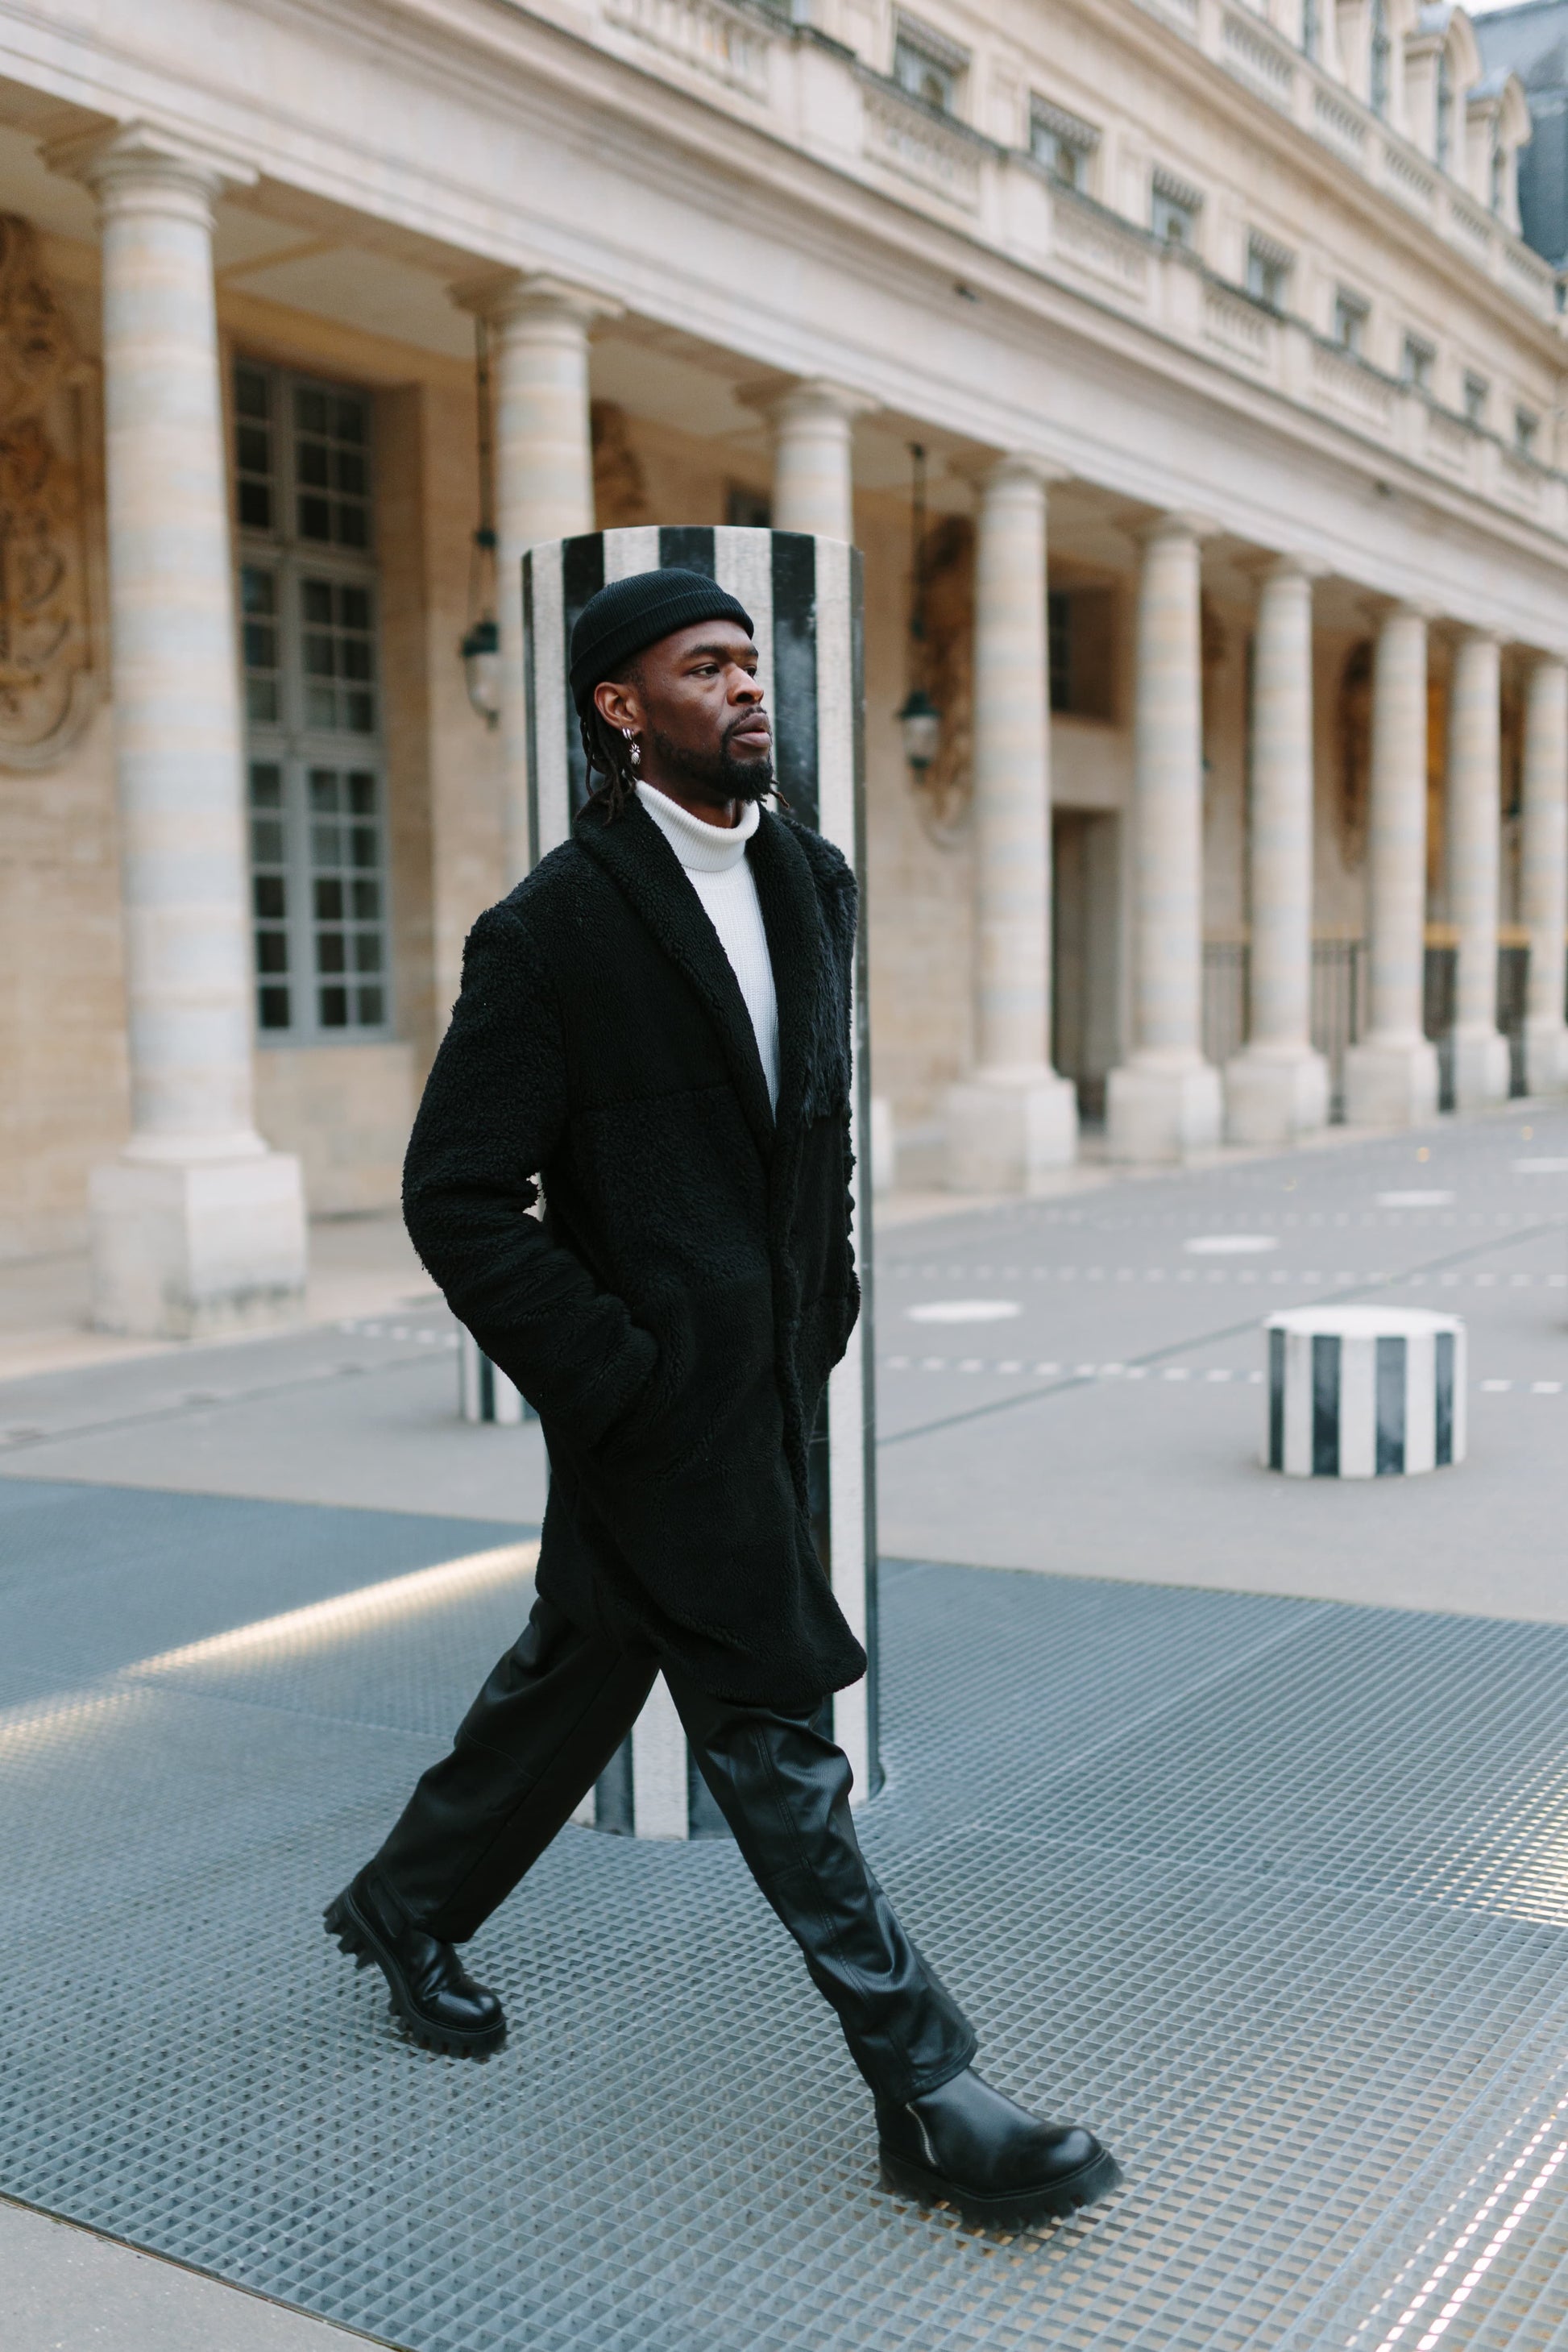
[{"x": 606, "y": 753}]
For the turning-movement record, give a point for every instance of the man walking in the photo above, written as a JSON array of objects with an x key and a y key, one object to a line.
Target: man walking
[{"x": 655, "y": 1028}]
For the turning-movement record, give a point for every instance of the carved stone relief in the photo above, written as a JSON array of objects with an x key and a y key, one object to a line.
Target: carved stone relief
[{"x": 46, "y": 683}]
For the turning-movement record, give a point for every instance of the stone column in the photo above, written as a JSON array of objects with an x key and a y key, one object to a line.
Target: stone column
[
  {"x": 814, "y": 483},
  {"x": 1475, "y": 817},
  {"x": 196, "y": 1228},
  {"x": 1544, "y": 875},
  {"x": 1164, "y": 1102},
  {"x": 1391, "y": 1076},
  {"x": 1278, "y": 1086},
  {"x": 1015, "y": 1119},
  {"x": 544, "y": 473}
]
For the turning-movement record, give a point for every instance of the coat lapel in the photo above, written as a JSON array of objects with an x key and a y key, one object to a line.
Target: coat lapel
[
  {"x": 640, "y": 860},
  {"x": 796, "y": 945}
]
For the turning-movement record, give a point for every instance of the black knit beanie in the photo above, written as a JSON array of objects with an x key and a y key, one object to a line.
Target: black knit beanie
[{"x": 635, "y": 613}]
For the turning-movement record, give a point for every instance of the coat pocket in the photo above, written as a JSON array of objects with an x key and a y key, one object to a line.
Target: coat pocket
[{"x": 713, "y": 1392}]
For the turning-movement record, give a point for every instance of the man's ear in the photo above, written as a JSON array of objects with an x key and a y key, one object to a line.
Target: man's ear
[{"x": 618, "y": 705}]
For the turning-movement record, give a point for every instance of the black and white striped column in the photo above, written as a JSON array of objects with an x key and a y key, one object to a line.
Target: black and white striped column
[
  {"x": 1364, "y": 1392},
  {"x": 803, "y": 595},
  {"x": 484, "y": 1391}
]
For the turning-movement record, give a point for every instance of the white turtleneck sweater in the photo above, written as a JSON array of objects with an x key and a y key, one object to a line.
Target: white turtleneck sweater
[{"x": 720, "y": 872}]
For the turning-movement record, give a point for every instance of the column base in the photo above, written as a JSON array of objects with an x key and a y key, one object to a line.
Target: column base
[
  {"x": 1157, "y": 1111},
  {"x": 1546, "y": 1057},
  {"x": 1481, "y": 1069},
  {"x": 1005, "y": 1135},
  {"x": 1391, "y": 1082},
  {"x": 1275, "y": 1093},
  {"x": 194, "y": 1249}
]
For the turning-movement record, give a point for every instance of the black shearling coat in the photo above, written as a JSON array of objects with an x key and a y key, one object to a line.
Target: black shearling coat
[{"x": 674, "y": 1317}]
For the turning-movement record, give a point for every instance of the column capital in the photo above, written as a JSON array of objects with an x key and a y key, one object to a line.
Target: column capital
[
  {"x": 1266, "y": 564},
  {"x": 1379, "y": 609},
  {"x": 1176, "y": 523},
  {"x": 1012, "y": 465},
  {"x": 504, "y": 297},
  {"x": 144, "y": 155},
  {"x": 811, "y": 396}
]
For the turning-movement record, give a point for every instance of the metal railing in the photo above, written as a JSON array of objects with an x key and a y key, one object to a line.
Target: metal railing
[{"x": 1340, "y": 1006}]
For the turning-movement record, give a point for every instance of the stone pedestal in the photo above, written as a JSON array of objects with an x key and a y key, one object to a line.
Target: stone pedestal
[
  {"x": 1391, "y": 1076},
  {"x": 197, "y": 1228},
  {"x": 1277, "y": 1087},
  {"x": 196, "y": 1249},
  {"x": 1008, "y": 1137},
  {"x": 1015, "y": 1118},
  {"x": 1543, "y": 877},
  {"x": 1162, "y": 1107},
  {"x": 1480, "y": 1051},
  {"x": 1275, "y": 1092},
  {"x": 1165, "y": 1100}
]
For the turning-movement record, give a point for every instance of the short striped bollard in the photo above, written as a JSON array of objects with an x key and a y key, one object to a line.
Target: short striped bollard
[
  {"x": 485, "y": 1393},
  {"x": 1364, "y": 1392}
]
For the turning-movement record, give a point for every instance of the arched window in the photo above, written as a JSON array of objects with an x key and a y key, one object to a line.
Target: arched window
[
  {"x": 1499, "y": 169},
  {"x": 1382, "y": 49},
  {"x": 1445, "y": 123}
]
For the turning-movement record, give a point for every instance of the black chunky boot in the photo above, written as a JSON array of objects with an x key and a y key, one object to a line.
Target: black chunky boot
[
  {"x": 432, "y": 1991},
  {"x": 966, "y": 2145}
]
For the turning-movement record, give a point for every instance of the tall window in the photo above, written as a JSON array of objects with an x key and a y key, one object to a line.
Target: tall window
[
  {"x": 1378, "y": 62},
  {"x": 1061, "y": 143},
  {"x": 927, "y": 67},
  {"x": 1351, "y": 315},
  {"x": 1499, "y": 175},
  {"x": 1417, "y": 364},
  {"x": 1445, "y": 123},
  {"x": 1268, "y": 271},
  {"x": 1173, "y": 209},
  {"x": 1311, "y": 30},
  {"x": 317, "y": 788}
]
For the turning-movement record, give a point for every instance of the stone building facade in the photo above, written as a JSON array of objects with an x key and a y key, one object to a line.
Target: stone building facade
[{"x": 1243, "y": 582}]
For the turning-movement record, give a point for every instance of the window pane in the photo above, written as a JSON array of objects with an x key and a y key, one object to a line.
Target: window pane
[
  {"x": 334, "y": 1007},
  {"x": 316, "y": 600},
  {"x": 271, "y": 952},
  {"x": 367, "y": 900},
  {"x": 266, "y": 785},
  {"x": 309, "y": 411},
  {"x": 312, "y": 463},
  {"x": 268, "y": 896},
  {"x": 251, "y": 393},
  {"x": 321, "y": 707},
  {"x": 330, "y": 900},
  {"x": 353, "y": 607},
  {"x": 326, "y": 845},
  {"x": 362, "y": 793},
  {"x": 272, "y": 1007},
  {"x": 370, "y": 1009},
  {"x": 266, "y": 841},
  {"x": 329, "y": 952},
  {"x": 315, "y": 517},
  {"x": 367, "y": 951},
  {"x": 323, "y": 788}
]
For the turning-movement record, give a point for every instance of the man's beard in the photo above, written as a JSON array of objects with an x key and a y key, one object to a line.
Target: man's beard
[{"x": 715, "y": 776}]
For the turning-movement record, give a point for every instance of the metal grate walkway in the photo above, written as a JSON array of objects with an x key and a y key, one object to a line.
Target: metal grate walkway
[{"x": 1274, "y": 1893}]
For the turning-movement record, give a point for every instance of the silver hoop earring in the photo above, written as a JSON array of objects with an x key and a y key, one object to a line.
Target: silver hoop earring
[{"x": 635, "y": 748}]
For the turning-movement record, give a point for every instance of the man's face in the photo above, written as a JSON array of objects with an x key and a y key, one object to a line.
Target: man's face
[{"x": 693, "y": 702}]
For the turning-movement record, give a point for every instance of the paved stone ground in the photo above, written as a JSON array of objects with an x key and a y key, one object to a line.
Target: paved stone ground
[{"x": 1270, "y": 1887}]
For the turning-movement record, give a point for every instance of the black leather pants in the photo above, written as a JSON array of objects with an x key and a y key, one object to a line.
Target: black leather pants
[{"x": 545, "y": 1727}]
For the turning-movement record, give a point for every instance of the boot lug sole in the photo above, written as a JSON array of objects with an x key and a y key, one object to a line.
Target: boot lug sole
[
  {"x": 1052, "y": 2201},
  {"x": 355, "y": 1939}
]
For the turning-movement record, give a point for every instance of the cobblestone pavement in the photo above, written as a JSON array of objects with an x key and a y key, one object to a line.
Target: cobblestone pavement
[{"x": 1268, "y": 1887}]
